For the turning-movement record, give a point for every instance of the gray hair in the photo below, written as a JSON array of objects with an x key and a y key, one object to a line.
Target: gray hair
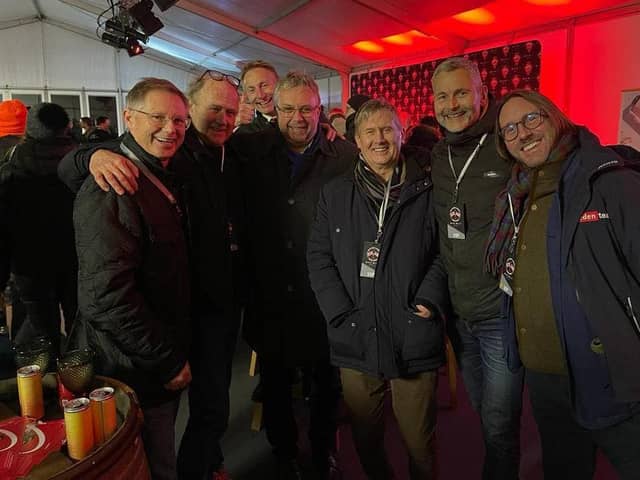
[
  {"x": 295, "y": 79},
  {"x": 138, "y": 93},
  {"x": 459, "y": 63},
  {"x": 372, "y": 106}
]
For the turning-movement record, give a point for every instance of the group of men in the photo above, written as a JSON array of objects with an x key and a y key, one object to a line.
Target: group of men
[{"x": 353, "y": 257}]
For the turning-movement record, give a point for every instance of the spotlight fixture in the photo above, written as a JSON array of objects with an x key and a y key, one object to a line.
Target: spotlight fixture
[
  {"x": 133, "y": 47},
  {"x": 142, "y": 14},
  {"x": 165, "y": 4},
  {"x": 116, "y": 41}
]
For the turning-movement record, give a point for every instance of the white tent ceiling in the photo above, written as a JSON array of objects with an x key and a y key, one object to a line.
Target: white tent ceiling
[{"x": 313, "y": 35}]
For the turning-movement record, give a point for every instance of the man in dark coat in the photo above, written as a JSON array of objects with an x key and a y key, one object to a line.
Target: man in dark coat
[
  {"x": 372, "y": 264},
  {"x": 36, "y": 229},
  {"x": 565, "y": 240},
  {"x": 101, "y": 132},
  {"x": 259, "y": 80},
  {"x": 208, "y": 165},
  {"x": 284, "y": 172},
  {"x": 133, "y": 277},
  {"x": 467, "y": 176}
]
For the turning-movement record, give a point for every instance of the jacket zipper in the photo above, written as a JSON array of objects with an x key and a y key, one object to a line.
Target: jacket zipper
[{"x": 633, "y": 315}]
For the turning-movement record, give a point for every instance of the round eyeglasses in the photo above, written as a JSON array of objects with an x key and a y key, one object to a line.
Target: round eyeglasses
[
  {"x": 529, "y": 121},
  {"x": 160, "y": 120},
  {"x": 288, "y": 111}
]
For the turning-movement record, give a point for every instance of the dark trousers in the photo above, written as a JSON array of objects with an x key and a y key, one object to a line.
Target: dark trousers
[
  {"x": 279, "y": 419},
  {"x": 494, "y": 391},
  {"x": 569, "y": 450},
  {"x": 414, "y": 406},
  {"x": 40, "y": 300},
  {"x": 158, "y": 436},
  {"x": 215, "y": 336}
]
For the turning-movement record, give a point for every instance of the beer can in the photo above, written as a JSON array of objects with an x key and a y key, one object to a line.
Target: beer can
[
  {"x": 103, "y": 408},
  {"x": 30, "y": 392},
  {"x": 78, "y": 427}
]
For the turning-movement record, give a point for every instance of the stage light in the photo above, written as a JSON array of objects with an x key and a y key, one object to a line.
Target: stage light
[
  {"x": 116, "y": 41},
  {"x": 142, "y": 14},
  {"x": 477, "y": 16},
  {"x": 134, "y": 48}
]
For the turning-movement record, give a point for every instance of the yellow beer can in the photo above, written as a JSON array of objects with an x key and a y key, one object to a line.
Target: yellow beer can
[
  {"x": 78, "y": 427},
  {"x": 103, "y": 408},
  {"x": 30, "y": 391}
]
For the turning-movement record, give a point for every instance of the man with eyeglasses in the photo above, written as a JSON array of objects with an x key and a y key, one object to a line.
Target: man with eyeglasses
[
  {"x": 467, "y": 176},
  {"x": 208, "y": 166},
  {"x": 133, "y": 277},
  {"x": 284, "y": 172},
  {"x": 563, "y": 242}
]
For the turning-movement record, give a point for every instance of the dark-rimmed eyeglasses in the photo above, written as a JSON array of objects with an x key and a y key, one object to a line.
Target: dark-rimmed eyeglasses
[
  {"x": 529, "y": 121},
  {"x": 159, "y": 120},
  {"x": 306, "y": 110},
  {"x": 219, "y": 76}
]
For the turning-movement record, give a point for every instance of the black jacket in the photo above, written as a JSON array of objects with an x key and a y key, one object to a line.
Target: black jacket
[
  {"x": 371, "y": 322},
  {"x": 474, "y": 293},
  {"x": 258, "y": 124},
  {"x": 133, "y": 285},
  {"x": 282, "y": 319},
  {"x": 36, "y": 228}
]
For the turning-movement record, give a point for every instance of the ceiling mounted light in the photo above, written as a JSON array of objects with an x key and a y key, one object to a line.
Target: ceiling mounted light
[
  {"x": 477, "y": 16},
  {"x": 548, "y": 3},
  {"x": 134, "y": 48},
  {"x": 368, "y": 46},
  {"x": 142, "y": 14}
]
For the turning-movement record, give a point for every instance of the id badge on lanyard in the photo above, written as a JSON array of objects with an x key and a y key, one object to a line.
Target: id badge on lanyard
[
  {"x": 509, "y": 270},
  {"x": 371, "y": 250},
  {"x": 456, "y": 225}
]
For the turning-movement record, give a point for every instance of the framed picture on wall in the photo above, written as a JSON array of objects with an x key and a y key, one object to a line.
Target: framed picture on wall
[{"x": 629, "y": 131}]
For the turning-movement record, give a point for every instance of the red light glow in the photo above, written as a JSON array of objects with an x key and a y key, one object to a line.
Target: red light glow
[
  {"x": 368, "y": 46},
  {"x": 477, "y": 16},
  {"x": 406, "y": 38},
  {"x": 548, "y": 2}
]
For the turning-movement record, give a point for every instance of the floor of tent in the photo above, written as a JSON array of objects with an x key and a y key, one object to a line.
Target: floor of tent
[{"x": 460, "y": 450}]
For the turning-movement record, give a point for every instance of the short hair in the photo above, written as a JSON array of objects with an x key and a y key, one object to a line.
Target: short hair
[
  {"x": 87, "y": 120},
  {"x": 295, "y": 79},
  {"x": 257, "y": 64},
  {"x": 101, "y": 119},
  {"x": 458, "y": 63},
  {"x": 372, "y": 106},
  {"x": 139, "y": 92},
  {"x": 559, "y": 120}
]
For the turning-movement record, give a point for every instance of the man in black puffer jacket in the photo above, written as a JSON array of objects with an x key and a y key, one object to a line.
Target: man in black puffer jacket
[
  {"x": 36, "y": 229},
  {"x": 372, "y": 258},
  {"x": 133, "y": 276}
]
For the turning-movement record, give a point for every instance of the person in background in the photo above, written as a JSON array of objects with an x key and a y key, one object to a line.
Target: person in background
[
  {"x": 375, "y": 228},
  {"x": 338, "y": 121},
  {"x": 353, "y": 104},
  {"x": 283, "y": 173},
  {"x": 102, "y": 131},
  {"x": 36, "y": 229},
  {"x": 564, "y": 241},
  {"x": 133, "y": 277},
  {"x": 467, "y": 176},
  {"x": 13, "y": 119},
  {"x": 259, "y": 80}
]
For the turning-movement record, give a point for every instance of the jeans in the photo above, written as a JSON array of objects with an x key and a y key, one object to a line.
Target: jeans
[
  {"x": 494, "y": 391},
  {"x": 158, "y": 436},
  {"x": 568, "y": 449},
  {"x": 414, "y": 406},
  {"x": 214, "y": 339}
]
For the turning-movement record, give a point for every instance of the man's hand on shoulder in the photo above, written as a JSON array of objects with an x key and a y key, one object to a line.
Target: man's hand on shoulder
[
  {"x": 112, "y": 170},
  {"x": 330, "y": 132}
]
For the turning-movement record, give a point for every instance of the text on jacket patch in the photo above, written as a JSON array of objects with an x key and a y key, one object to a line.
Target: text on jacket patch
[{"x": 593, "y": 216}]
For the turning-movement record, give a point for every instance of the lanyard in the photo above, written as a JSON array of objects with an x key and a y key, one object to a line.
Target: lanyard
[
  {"x": 466, "y": 165},
  {"x": 147, "y": 173},
  {"x": 516, "y": 226},
  {"x": 383, "y": 208}
]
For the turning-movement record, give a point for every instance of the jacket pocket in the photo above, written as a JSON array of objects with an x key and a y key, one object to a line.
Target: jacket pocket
[
  {"x": 423, "y": 337},
  {"x": 346, "y": 336}
]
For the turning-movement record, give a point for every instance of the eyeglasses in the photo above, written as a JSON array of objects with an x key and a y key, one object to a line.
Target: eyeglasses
[
  {"x": 529, "y": 121},
  {"x": 160, "y": 120},
  {"x": 306, "y": 111},
  {"x": 219, "y": 76}
]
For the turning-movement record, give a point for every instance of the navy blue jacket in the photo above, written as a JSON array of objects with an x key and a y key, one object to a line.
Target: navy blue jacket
[{"x": 594, "y": 266}]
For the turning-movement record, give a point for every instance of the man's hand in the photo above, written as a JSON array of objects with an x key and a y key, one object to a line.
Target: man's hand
[
  {"x": 330, "y": 132},
  {"x": 245, "y": 112},
  {"x": 422, "y": 311},
  {"x": 111, "y": 170},
  {"x": 181, "y": 380}
]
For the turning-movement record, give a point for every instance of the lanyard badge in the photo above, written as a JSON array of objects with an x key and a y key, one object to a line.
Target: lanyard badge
[
  {"x": 506, "y": 278},
  {"x": 456, "y": 225},
  {"x": 371, "y": 250}
]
